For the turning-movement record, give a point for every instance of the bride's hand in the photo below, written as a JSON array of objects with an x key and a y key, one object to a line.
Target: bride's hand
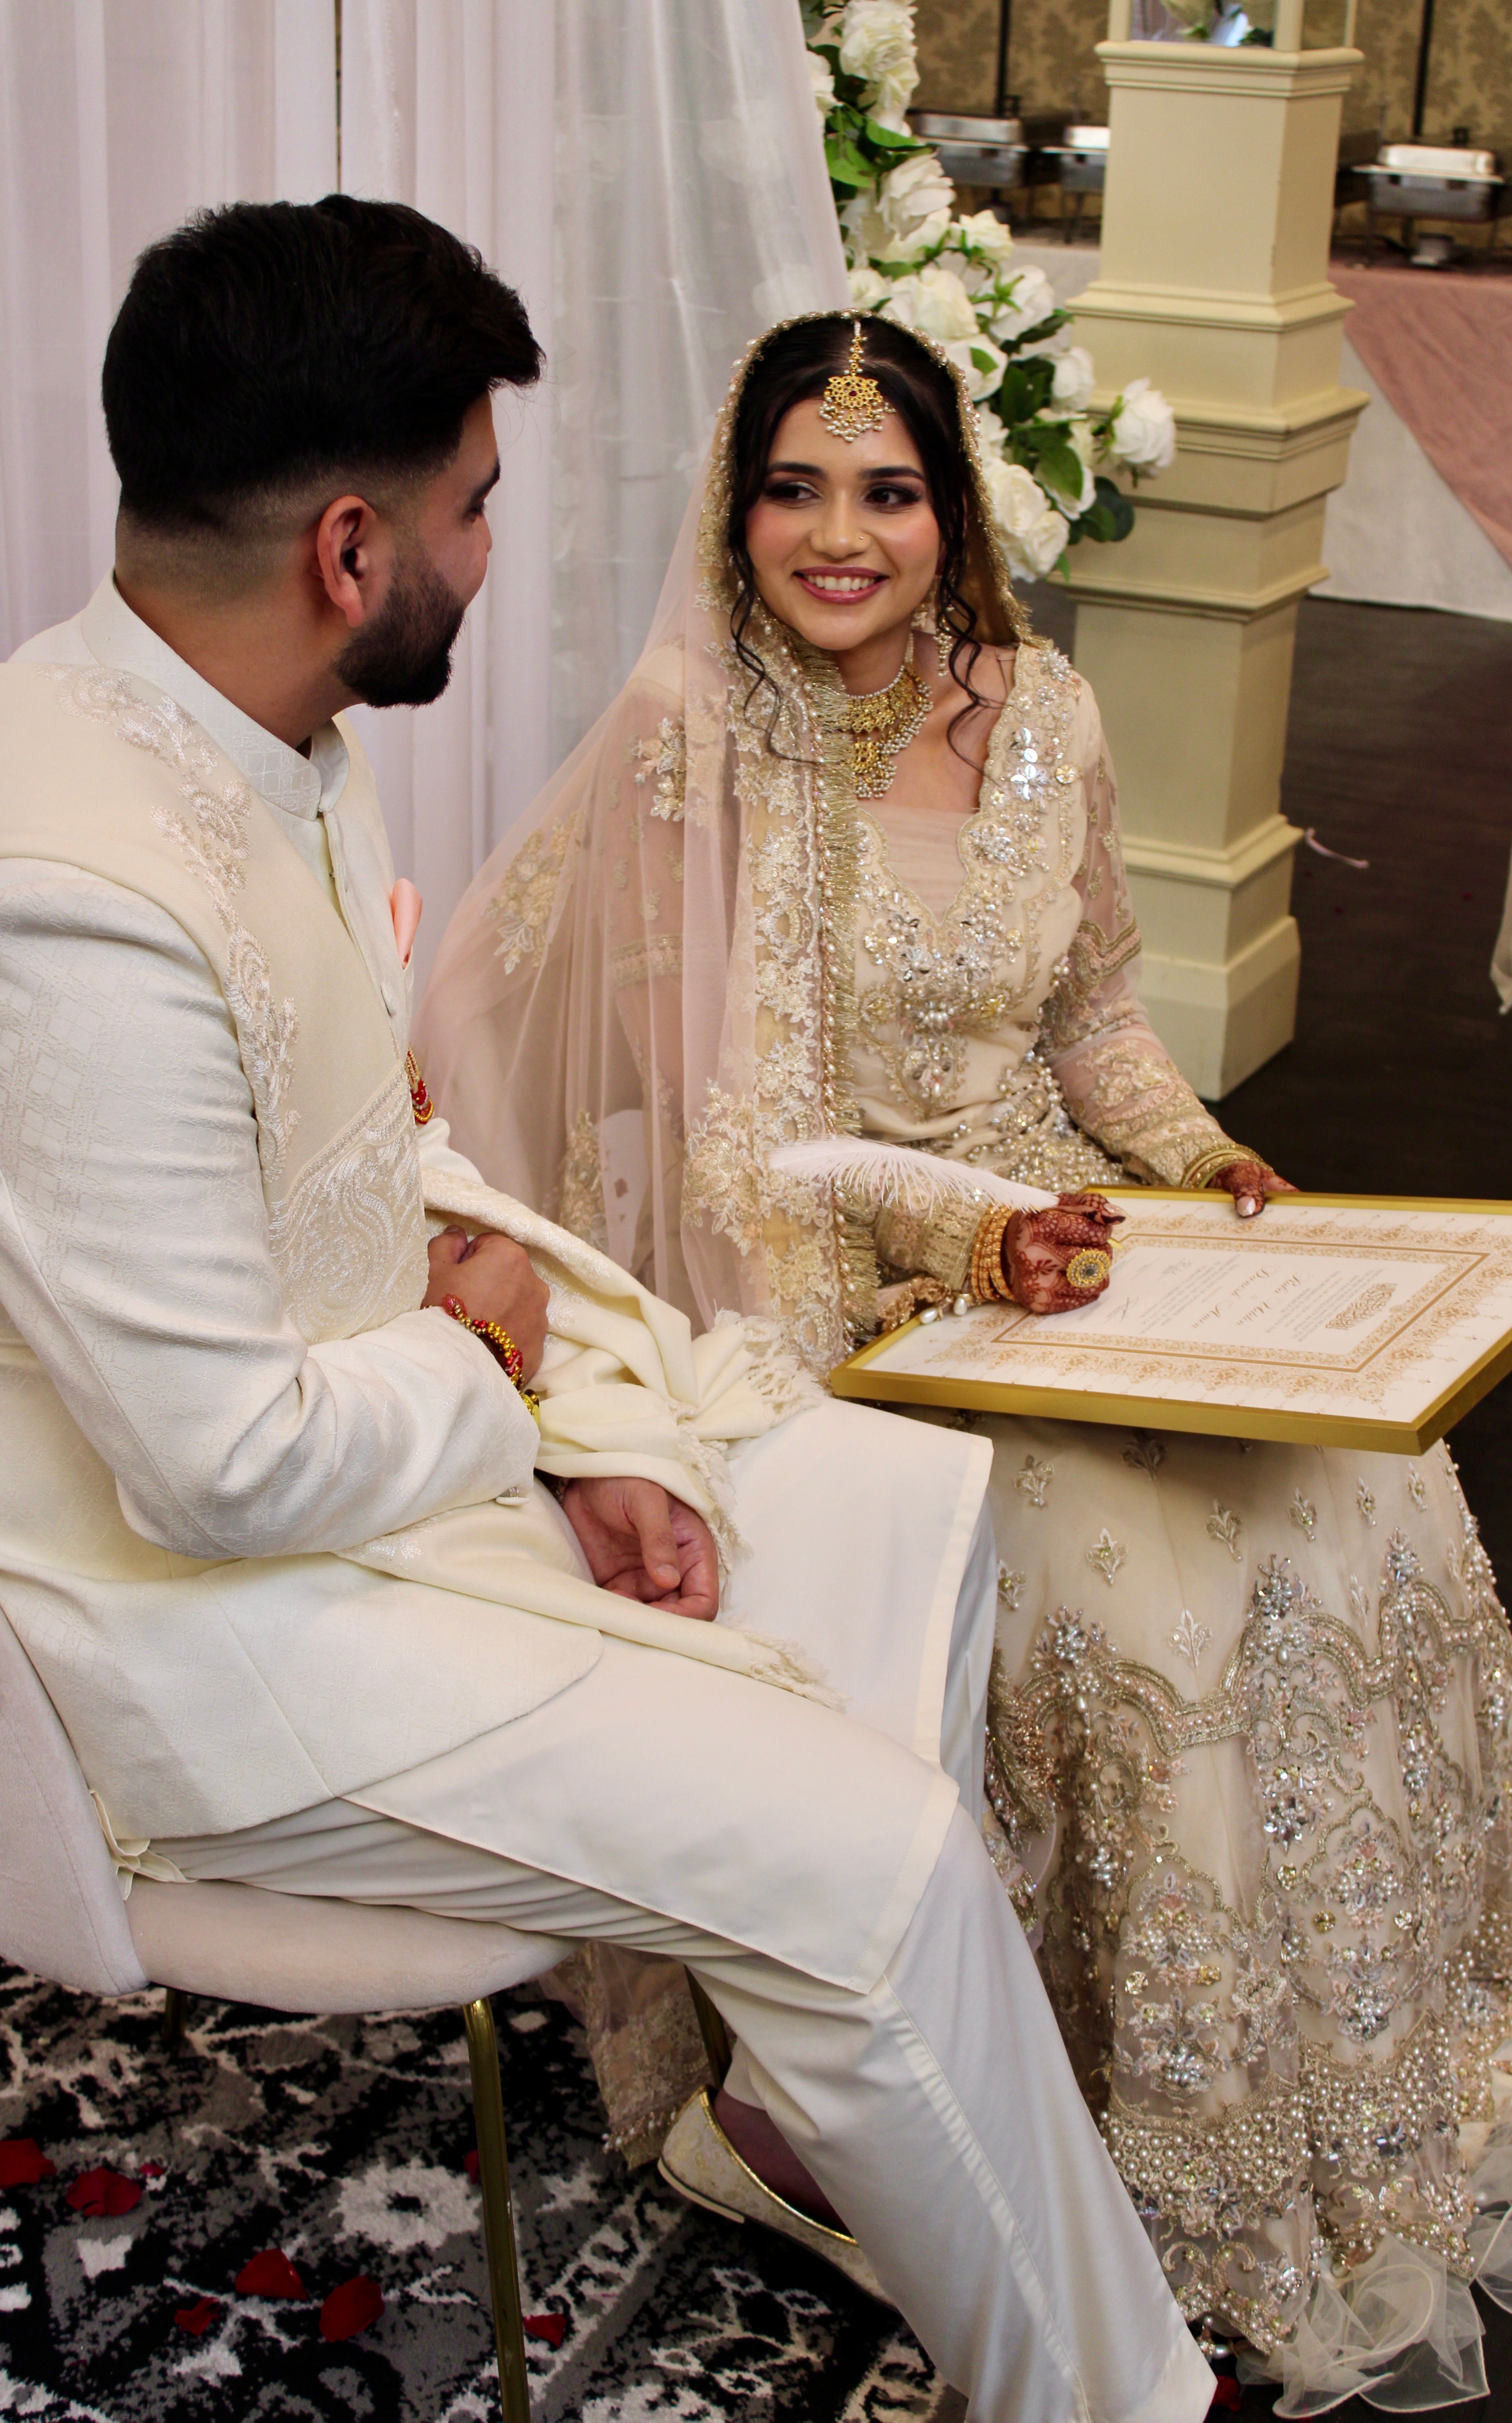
[
  {"x": 1249, "y": 1183},
  {"x": 1040, "y": 1248}
]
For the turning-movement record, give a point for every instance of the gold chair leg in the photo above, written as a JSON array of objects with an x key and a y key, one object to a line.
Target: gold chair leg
[
  {"x": 713, "y": 2031},
  {"x": 498, "y": 2214},
  {"x": 175, "y": 2015}
]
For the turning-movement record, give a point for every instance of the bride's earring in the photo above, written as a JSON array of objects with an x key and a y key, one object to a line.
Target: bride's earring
[{"x": 927, "y": 622}]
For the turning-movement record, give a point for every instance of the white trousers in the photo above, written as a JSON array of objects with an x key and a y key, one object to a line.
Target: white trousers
[
  {"x": 937, "y": 2107},
  {"x": 938, "y": 2112}
]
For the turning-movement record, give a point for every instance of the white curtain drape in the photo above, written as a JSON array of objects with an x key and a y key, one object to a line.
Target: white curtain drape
[
  {"x": 117, "y": 119},
  {"x": 650, "y": 175}
]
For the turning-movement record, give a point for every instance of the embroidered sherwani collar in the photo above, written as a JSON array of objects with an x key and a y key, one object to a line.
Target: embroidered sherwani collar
[{"x": 298, "y": 787}]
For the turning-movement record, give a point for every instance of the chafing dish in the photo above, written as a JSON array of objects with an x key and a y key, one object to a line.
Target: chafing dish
[
  {"x": 1432, "y": 181},
  {"x": 988, "y": 151},
  {"x": 1083, "y": 158},
  {"x": 1079, "y": 165}
]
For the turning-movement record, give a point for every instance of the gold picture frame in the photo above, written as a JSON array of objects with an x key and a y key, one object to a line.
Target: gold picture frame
[{"x": 858, "y": 1378}]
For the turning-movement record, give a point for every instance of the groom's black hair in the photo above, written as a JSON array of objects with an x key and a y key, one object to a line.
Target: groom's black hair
[{"x": 269, "y": 347}]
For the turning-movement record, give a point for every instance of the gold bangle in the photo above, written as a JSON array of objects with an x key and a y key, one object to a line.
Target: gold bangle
[
  {"x": 1203, "y": 1167},
  {"x": 989, "y": 1283}
]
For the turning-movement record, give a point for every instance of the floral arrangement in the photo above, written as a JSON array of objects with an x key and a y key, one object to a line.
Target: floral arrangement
[{"x": 1053, "y": 467}]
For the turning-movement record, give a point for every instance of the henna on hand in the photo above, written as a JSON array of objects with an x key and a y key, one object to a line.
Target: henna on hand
[
  {"x": 1249, "y": 1183},
  {"x": 1039, "y": 1245}
]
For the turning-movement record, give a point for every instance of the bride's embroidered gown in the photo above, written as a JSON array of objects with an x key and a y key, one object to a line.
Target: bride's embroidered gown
[
  {"x": 1251, "y": 1720},
  {"x": 1250, "y": 1724}
]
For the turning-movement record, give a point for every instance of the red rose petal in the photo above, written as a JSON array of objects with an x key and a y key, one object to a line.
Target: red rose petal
[
  {"x": 105, "y": 2194},
  {"x": 196, "y": 2319},
  {"x": 154, "y": 2171},
  {"x": 1225, "y": 2392},
  {"x": 350, "y": 2308},
  {"x": 550, "y": 2327},
  {"x": 22, "y": 2162},
  {"x": 270, "y": 2275},
  {"x": 471, "y": 2166}
]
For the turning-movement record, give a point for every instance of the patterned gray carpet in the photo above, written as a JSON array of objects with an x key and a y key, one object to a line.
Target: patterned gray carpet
[{"x": 343, "y": 2143}]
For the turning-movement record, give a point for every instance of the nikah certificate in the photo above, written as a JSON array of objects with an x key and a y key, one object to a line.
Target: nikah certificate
[{"x": 1345, "y": 1321}]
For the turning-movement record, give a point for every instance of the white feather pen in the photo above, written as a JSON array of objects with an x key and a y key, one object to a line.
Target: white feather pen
[{"x": 899, "y": 1176}]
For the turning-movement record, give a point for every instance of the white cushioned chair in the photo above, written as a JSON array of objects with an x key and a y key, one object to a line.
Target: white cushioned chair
[{"x": 62, "y": 1917}]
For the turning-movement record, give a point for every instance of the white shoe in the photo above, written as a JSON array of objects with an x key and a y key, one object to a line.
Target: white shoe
[{"x": 701, "y": 2163}]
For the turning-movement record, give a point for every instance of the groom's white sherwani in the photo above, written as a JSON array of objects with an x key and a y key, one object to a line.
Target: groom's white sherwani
[{"x": 271, "y": 1534}]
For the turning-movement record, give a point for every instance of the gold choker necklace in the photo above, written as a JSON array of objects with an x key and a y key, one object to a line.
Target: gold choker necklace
[{"x": 881, "y": 725}]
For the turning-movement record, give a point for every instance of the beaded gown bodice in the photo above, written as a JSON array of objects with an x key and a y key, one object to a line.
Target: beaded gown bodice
[{"x": 994, "y": 1017}]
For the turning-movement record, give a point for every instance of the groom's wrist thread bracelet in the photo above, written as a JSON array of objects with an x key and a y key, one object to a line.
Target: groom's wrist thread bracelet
[{"x": 501, "y": 1346}]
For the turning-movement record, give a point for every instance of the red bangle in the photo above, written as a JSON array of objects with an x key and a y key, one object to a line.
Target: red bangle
[{"x": 501, "y": 1346}]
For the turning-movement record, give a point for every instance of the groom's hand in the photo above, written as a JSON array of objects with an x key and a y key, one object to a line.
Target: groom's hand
[
  {"x": 642, "y": 1544},
  {"x": 494, "y": 1279}
]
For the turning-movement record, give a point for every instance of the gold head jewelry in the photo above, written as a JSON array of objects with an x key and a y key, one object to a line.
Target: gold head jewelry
[
  {"x": 854, "y": 405},
  {"x": 1090, "y": 1269},
  {"x": 880, "y": 723}
]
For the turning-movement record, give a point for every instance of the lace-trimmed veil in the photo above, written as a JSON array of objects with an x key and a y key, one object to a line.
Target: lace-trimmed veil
[{"x": 630, "y": 1008}]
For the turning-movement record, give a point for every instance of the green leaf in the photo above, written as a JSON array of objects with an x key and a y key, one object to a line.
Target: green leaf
[
  {"x": 1117, "y": 507},
  {"x": 889, "y": 141},
  {"x": 844, "y": 164},
  {"x": 1060, "y": 465},
  {"x": 1015, "y": 399}
]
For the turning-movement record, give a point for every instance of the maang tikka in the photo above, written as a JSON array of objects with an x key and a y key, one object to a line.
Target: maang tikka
[{"x": 854, "y": 405}]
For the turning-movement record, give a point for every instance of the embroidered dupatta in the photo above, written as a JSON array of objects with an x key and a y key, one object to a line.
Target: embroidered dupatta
[{"x": 633, "y": 1003}]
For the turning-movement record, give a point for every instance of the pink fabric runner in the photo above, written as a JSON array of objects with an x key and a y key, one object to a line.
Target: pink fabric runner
[{"x": 1440, "y": 348}]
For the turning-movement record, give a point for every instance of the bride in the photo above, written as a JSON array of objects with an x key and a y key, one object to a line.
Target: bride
[{"x": 843, "y": 859}]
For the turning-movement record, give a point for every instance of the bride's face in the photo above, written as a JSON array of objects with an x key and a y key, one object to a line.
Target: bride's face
[{"x": 842, "y": 539}]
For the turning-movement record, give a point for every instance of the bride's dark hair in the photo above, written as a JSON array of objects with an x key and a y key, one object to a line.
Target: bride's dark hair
[{"x": 798, "y": 363}]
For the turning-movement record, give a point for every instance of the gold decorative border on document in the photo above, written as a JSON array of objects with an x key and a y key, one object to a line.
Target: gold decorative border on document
[{"x": 1463, "y": 1274}]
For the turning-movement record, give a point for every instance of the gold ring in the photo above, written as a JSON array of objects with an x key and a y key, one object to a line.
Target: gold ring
[{"x": 1090, "y": 1269}]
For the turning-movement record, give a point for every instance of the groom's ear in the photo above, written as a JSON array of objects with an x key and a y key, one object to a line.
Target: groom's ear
[{"x": 354, "y": 558}]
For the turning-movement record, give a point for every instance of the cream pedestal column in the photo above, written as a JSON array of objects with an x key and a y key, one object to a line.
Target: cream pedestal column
[{"x": 1213, "y": 283}]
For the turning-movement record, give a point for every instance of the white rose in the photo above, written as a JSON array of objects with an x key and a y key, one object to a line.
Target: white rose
[
  {"x": 869, "y": 289},
  {"x": 986, "y": 233},
  {"x": 822, "y": 81},
  {"x": 1074, "y": 379},
  {"x": 1144, "y": 429},
  {"x": 876, "y": 45},
  {"x": 1033, "y": 533},
  {"x": 936, "y": 302},
  {"x": 905, "y": 215},
  {"x": 1033, "y": 299}
]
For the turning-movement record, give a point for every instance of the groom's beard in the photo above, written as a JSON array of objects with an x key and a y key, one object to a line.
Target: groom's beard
[{"x": 404, "y": 656}]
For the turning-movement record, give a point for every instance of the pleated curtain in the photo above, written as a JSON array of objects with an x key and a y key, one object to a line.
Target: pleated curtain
[
  {"x": 117, "y": 119},
  {"x": 648, "y": 173}
]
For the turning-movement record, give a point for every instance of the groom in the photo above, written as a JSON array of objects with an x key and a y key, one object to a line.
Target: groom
[{"x": 270, "y": 1524}]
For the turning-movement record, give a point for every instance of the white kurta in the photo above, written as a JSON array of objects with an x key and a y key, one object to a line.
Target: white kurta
[
  {"x": 194, "y": 1600},
  {"x": 201, "y": 1463}
]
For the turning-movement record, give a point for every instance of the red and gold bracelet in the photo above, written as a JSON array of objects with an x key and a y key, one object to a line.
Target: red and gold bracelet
[{"x": 501, "y": 1346}]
